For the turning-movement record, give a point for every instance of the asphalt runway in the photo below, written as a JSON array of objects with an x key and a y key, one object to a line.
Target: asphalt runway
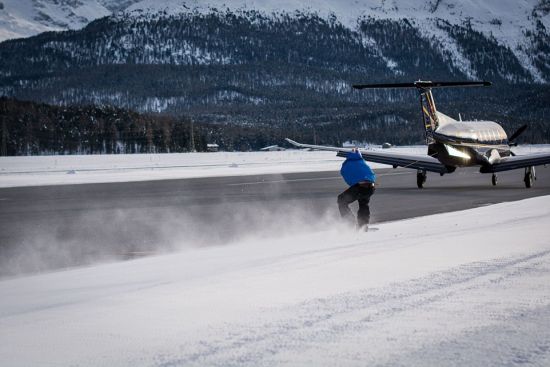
[{"x": 49, "y": 227}]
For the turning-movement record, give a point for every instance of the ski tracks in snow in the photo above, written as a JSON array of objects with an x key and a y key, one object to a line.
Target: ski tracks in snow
[{"x": 477, "y": 314}]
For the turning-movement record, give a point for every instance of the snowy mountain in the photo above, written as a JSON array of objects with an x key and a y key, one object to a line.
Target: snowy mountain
[
  {"x": 513, "y": 24},
  {"x": 23, "y": 18},
  {"x": 279, "y": 62}
]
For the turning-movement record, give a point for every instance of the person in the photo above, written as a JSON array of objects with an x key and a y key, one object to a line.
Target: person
[{"x": 361, "y": 178}]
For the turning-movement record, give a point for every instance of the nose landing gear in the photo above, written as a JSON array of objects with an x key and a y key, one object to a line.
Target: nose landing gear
[{"x": 494, "y": 179}]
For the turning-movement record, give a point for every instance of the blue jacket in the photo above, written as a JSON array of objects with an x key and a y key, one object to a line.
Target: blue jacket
[{"x": 354, "y": 169}]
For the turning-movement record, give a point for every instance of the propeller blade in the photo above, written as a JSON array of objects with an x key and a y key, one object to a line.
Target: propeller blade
[
  {"x": 517, "y": 133},
  {"x": 423, "y": 84}
]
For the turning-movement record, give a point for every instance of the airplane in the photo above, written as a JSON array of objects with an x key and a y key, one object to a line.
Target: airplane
[{"x": 452, "y": 143}]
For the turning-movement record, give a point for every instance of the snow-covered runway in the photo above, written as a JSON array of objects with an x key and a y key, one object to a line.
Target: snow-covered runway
[
  {"x": 82, "y": 169},
  {"x": 463, "y": 288}
]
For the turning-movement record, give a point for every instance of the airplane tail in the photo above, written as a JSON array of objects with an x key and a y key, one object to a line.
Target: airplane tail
[
  {"x": 430, "y": 118},
  {"x": 429, "y": 113}
]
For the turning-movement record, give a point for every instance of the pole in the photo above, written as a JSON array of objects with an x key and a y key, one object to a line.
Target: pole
[
  {"x": 4, "y": 147},
  {"x": 192, "y": 142},
  {"x": 314, "y": 135}
]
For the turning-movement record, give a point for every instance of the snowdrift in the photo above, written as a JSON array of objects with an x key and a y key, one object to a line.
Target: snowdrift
[{"x": 464, "y": 288}]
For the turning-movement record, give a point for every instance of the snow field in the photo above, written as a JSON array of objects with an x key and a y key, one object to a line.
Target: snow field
[
  {"x": 81, "y": 169},
  {"x": 55, "y": 170},
  {"x": 463, "y": 288}
]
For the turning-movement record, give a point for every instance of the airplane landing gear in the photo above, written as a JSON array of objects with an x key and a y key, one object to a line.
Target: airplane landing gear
[
  {"x": 420, "y": 178},
  {"x": 529, "y": 176},
  {"x": 494, "y": 179}
]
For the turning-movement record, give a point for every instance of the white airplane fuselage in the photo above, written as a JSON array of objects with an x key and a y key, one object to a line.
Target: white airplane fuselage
[{"x": 468, "y": 143}]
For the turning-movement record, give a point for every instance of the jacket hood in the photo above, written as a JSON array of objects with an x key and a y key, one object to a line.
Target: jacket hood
[{"x": 353, "y": 156}]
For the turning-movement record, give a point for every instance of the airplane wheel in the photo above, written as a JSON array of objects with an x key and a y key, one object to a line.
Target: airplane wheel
[
  {"x": 494, "y": 180},
  {"x": 420, "y": 179},
  {"x": 528, "y": 178}
]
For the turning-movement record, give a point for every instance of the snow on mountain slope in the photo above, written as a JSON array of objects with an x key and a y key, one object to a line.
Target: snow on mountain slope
[
  {"x": 24, "y": 18},
  {"x": 505, "y": 20},
  {"x": 508, "y": 21},
  {"x": 468, "y": 288},
  {"x": 510, "y": 12}
]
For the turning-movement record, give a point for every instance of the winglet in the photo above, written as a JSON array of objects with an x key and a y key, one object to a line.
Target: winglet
[
  {"x": 296, "y": 144},
  {"x": 317, "y": 147}
]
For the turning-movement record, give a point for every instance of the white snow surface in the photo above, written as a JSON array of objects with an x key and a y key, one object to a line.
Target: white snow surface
[
  {"x": 76, "y": 169},
  {"x": 468, "y": 288},
  {"x": 511, "y": 12},
  {"x": 82, "y": 169}
]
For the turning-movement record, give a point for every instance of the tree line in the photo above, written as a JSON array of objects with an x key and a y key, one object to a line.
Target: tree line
[{"x": 31, "y": 128}]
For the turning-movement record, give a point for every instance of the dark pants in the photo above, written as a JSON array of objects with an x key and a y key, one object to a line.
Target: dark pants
[{"x": 362, "y": 193}]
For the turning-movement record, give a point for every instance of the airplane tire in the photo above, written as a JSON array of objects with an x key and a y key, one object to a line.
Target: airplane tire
[
  {"x": 494, "y": 180},
  {"x": 528, "y": 179},
  {"x": 420, "y": 179}
]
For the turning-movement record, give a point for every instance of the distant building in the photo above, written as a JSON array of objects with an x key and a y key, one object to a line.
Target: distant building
[
  {"x": 272, "y": 148},
  {"x": 354, "y": 144},
  {"x": 212, "y": 147}
]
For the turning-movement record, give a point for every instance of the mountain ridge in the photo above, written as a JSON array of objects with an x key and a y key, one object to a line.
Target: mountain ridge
[
  {"x": 285, "y": 70},
  {"x": 510, "y": 23}
]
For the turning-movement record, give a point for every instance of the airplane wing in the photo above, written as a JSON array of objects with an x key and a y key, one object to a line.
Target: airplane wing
[
  {"x": 424, "y": 162},
  {"x": 519, "y": 161}
]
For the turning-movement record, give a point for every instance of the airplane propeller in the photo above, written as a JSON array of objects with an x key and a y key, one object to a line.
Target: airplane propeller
[{"x": 514, "y": 136}]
